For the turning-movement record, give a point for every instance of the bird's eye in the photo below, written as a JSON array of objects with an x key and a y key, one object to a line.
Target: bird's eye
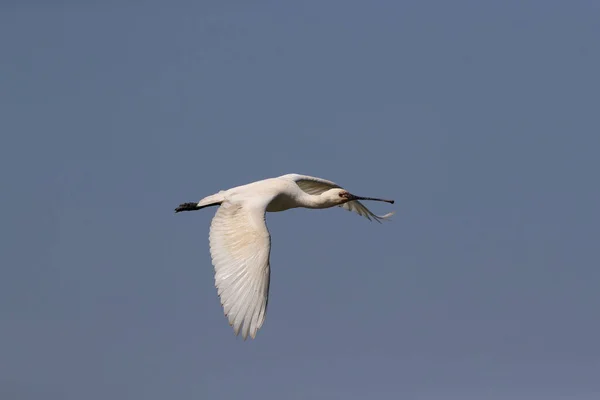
[{"x": 341, "y": 194}]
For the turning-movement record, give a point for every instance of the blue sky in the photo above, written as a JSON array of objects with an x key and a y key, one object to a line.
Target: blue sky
[{"x": 480, "y": 118}]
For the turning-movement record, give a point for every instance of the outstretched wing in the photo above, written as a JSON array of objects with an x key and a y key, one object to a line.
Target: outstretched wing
[
  {"x": 240, "y": 246},
  {"x": 316, "y": 186}
]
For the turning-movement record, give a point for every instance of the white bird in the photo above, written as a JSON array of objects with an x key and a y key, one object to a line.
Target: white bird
[{"x": 240, "y": 243}]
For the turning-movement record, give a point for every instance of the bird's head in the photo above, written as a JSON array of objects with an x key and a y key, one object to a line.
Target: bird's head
[{"x": 340, "y": 196}]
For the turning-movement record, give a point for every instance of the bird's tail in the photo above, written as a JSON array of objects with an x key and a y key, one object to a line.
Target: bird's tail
[{"x": 212, "y": 200}]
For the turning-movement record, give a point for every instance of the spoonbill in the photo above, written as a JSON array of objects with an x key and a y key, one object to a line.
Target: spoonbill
[{"x": 240, "y": 243}]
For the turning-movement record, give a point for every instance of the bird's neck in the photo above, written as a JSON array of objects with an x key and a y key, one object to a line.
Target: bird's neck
[{"x": 316, "y": 201}]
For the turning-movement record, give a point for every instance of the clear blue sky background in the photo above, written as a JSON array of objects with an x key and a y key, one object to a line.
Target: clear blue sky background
[{"x": 482, "y": 119}]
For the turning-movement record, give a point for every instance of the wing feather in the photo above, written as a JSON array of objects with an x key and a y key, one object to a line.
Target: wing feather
[
  {"x": 240, "y": 246},
  {"x": 360, "y": 209}
]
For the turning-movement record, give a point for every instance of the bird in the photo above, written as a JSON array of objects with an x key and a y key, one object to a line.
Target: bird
[{"x": 240, "y": 242}]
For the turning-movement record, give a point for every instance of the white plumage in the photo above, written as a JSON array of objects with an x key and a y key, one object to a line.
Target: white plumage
[{"x": 240, "y": 243}]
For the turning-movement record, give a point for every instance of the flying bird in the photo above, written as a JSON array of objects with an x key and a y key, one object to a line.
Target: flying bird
[{"x": 240, "y": 243}]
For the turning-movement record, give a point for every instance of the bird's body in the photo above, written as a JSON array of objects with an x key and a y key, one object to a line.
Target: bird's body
[{"x": 240, "y": 243}]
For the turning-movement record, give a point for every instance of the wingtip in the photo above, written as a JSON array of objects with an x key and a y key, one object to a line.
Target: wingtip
[
  {"x": 385, "y": 217},
  {"x": 388, "y": 215}
]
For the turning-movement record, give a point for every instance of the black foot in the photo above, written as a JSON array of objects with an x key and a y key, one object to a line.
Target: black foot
[{"x": 187, "y": 207}]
